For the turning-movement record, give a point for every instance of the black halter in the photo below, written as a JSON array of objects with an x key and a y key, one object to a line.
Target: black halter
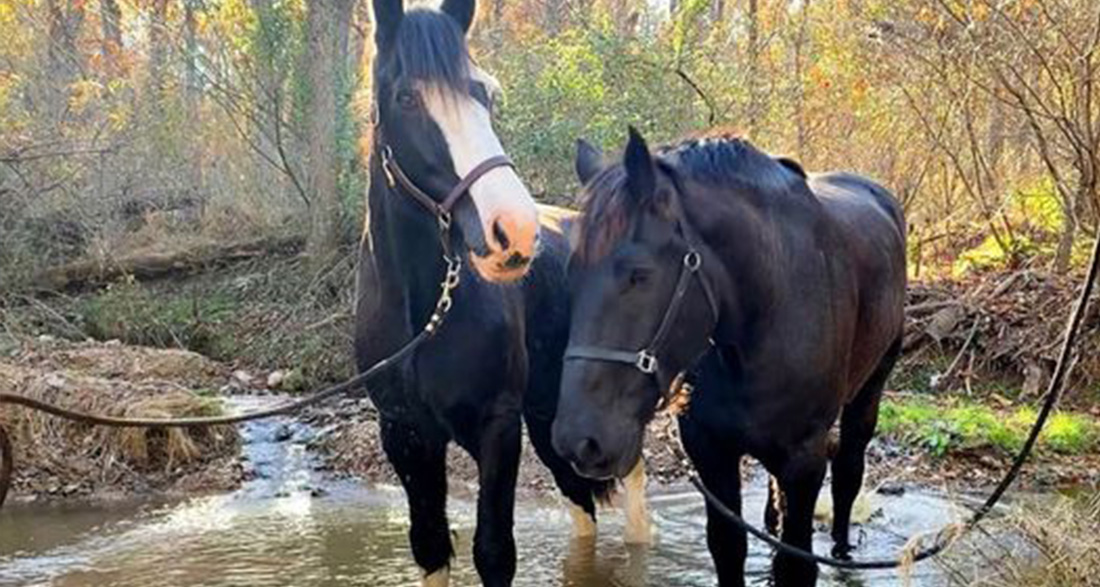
[
  {"x": 647, "y": 359},
  {"x": 397, "y": 178}
]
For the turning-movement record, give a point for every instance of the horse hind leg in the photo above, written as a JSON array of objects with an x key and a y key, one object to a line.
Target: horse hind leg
[
  {"x": 419, "y": 460},
  {"x": 582, "y": 493},
  {"x": 857, "y": 426},
  {"x": 637, "y": 529}
]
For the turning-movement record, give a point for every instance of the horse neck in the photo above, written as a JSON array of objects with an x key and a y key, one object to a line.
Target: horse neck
[
  {"x": 406, "y": 249},
  {"x": 740, "y": 275}
]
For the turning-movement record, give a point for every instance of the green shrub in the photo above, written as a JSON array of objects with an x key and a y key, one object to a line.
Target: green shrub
[{"x": 963, "y": 426}]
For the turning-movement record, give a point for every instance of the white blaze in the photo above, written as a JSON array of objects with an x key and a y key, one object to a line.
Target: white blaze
[{"x": 467, "y": 127}]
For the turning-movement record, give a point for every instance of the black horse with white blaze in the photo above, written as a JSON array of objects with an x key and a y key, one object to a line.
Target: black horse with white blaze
[
  {"x": 780, "y": 296},
  {"x": 437, "y": 170}
]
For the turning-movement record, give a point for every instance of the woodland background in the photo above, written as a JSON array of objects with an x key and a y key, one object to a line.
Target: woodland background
[
  {"x": 226, "y": 140},
  {"x": 226, "y": 118},
  {"x": 190, "y": 174}
]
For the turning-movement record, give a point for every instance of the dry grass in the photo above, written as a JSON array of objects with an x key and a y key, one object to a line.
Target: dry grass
[
  {"x": 58, "y": 458},
  {"x": 1051, "y": 543}
]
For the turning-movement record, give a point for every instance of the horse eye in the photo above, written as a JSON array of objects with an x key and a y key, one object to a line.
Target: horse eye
[
  {"x": 639, "y": 276},
  {"x": 408, "y": 99}
]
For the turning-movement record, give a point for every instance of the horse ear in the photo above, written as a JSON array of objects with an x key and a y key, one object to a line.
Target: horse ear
[
  {"x": 641, "y": 172},
  {"x": 589, "y": 161},
  {"x": 462, "y": 11},
  {"x": 387, "y": 18}
]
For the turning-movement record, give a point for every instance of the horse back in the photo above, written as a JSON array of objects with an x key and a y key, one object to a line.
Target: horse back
[{"x": 870, "y": 228}]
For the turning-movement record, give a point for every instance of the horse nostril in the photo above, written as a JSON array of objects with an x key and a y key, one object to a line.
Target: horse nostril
[
  {"x": 588, "y": 451},
  {"x": 515, "y": 261},
  {"x": 500, "y": 236}
]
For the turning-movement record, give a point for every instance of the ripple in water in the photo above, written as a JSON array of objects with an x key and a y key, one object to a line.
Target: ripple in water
[{"x": 273, "y": 532}]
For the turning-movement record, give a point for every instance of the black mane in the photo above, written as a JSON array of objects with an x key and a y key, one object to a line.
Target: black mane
[
  {"x": 726, "y": 160},
  {"x": 722, "y": 160},
  {"x": 431, "y": 48}
]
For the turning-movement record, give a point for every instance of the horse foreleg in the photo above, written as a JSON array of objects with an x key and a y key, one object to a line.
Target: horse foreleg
[
  {"x": 800, "y": 481},
  {"x": 419, "y": 458},
  {"x": 637, "y": 529},
  {"x": 727, "y": 542},
  {"x": 498, "y": 464}
]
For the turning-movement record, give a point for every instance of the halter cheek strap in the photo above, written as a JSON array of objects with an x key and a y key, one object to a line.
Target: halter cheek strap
[
  {"x": 396, "y": 176},
  {"x": 646, "y": 360}
]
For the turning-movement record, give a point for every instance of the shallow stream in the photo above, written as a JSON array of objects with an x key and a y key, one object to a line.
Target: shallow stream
[{"x": 291, "y": 526}]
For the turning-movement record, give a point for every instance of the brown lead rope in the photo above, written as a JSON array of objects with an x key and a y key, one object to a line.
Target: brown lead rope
[
  {"x": 442, "y": 308},
  {"x": 946, "y": 536}
]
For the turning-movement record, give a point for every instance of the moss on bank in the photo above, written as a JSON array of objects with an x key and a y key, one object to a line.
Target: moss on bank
[{"x": 944, "y": 426}]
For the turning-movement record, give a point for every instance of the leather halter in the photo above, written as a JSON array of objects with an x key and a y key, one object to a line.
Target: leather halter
[
  {"x": 647, "y": 358},
  {"x": 395, "y": 176}
]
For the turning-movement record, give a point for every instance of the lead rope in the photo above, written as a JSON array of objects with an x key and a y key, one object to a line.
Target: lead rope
[
  {"x": 949, "y": 534},
  {"x": 443, "y": 306}
]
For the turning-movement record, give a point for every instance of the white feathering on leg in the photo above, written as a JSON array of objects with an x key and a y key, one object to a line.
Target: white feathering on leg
[
  {"x": 637, "y": 529},
  {"x": 583, "y": 524},
  {"x": 440, "y": 578}
]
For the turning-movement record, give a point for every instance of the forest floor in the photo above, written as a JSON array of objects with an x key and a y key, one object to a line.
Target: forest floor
[
  {"x": 977, "y": 354},
  {"x": 56, "y": 460}
]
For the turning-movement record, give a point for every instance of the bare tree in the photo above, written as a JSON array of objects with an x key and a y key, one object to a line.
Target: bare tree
[
  {"x": 327, "y": 49},
  {"x": 753, "y": 80},
  {"x": 63, "y": 58},
  {"x": 192, "y": 98},
  {"x": 1040, "y": 60},
  {"x": 110, "y": 22}
]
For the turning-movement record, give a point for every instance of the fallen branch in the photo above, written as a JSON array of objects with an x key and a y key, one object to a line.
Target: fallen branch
[{"x": 148, "y": 265}]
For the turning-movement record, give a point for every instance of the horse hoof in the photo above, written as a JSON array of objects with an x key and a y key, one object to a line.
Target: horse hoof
[
  {"x": 842, "y": 552},
  {"x": 440, "y": 578}
]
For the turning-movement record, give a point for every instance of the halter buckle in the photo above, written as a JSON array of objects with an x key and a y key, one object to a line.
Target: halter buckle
[
  {"x": 387, "y": 161},
  {"x": 646, "y": 362},
  {"x": 444, "y": 218},
  {"x": 693, "y": 260},
  {"x": 454, "y": 272}
]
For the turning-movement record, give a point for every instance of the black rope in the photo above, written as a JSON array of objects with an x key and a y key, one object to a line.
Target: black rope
[{"x": 945, "y": 538}]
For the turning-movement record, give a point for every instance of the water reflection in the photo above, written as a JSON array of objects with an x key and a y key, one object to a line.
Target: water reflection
[
  {"x": 358, "y": 536},
  {"x": 275, "y": 532}
]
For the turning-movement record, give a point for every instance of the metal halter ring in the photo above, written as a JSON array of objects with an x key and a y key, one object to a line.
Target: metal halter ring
[
  {"x": 444, "y": 218},
  {"x": 454, "y": 269},
  {"x": 646, "y": 362},
  {"x": 387, "y": 158},
  {"x": 693, "y": 260}
]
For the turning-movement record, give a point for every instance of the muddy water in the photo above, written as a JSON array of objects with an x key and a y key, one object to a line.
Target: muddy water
[{"x": 289, "y": 526}]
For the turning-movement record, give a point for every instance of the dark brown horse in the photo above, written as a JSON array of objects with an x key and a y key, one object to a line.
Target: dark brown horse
[{"x": 779, "y": 296}]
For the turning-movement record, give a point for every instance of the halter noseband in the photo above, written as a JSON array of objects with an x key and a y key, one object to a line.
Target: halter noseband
[
  {"x": 395, "y": 176},
  {"x": 646, "y": 360}
]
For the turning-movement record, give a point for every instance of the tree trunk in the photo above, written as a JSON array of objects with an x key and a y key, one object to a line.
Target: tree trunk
[
  {"x": 110, "y": 21},
  {"x": 552, "y": 16},
  {"x": 324, "y": 42},
  {"x": 193, "y": 104},
  {"x": 158, "y": 50},
  {"x": 799, "y": 80},
  {"x": 754, "y": 67},
  {"x": 1064, "y": 253},
  {"x": 63, "y": 59}
]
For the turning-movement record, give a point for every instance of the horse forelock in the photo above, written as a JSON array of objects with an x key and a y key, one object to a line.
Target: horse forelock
[
  {"x": 431, "y": 50},
  {"x": 606, "y": 213}
]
